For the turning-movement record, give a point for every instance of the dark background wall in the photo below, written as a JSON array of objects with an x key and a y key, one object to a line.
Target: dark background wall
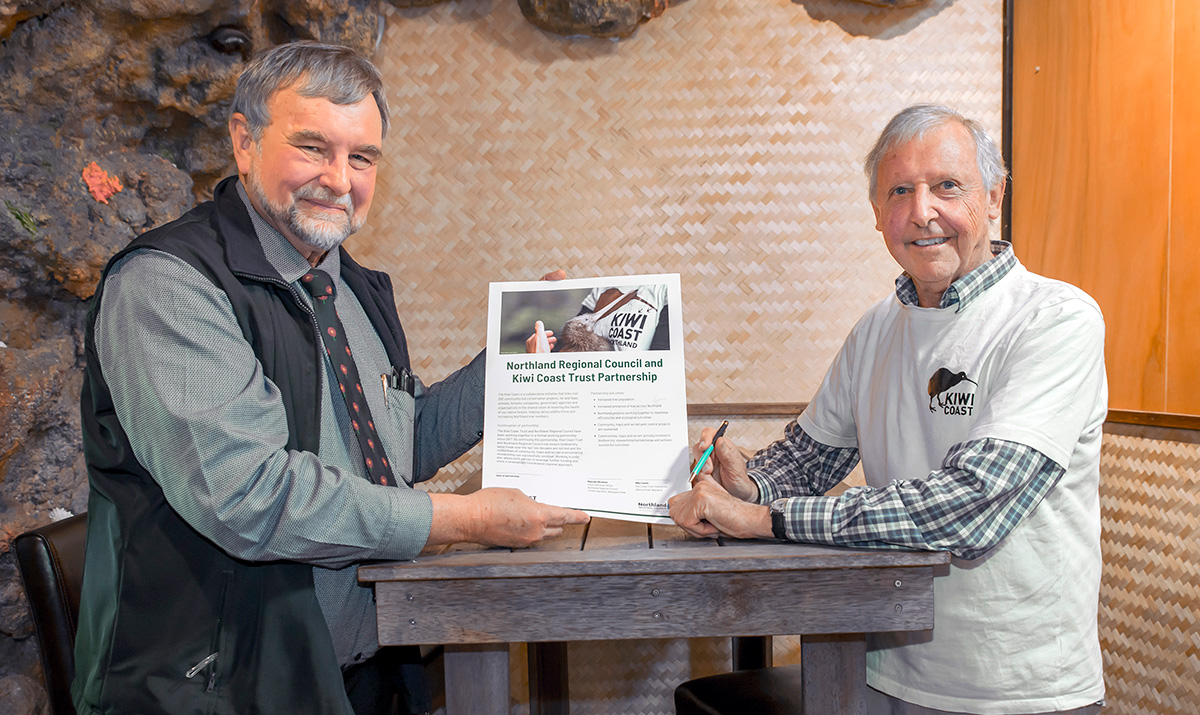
[{"x": 140, "y": 89}]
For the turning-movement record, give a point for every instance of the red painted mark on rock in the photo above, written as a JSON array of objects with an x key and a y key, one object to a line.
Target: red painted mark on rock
[{"x": 99, "y": 183}]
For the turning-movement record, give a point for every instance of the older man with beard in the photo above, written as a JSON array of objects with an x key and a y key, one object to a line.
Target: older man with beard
[{"x": 252, "y": 428}]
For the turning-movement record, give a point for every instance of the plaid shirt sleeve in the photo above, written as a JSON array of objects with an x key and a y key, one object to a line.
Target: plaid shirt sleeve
[
  {"x": 799, "y": 466},
  {"x": 968, "y": 506}
]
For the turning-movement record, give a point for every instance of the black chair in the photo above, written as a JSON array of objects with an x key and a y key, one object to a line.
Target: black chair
[
  {"x": 834, "y": 675},
  {"x": 50, "y": 559},
  {"x": 765, "y": 691},
  {"x": 753, "y": 687}
]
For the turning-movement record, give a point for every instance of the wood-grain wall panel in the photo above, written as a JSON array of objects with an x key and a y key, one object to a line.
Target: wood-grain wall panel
[
  {"x": 1091, "y": 159},
  {"x": 1183, "y": 335}
]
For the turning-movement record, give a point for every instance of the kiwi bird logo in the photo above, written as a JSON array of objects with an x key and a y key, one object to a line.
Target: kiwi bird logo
[{"x": 943, "y": 380}]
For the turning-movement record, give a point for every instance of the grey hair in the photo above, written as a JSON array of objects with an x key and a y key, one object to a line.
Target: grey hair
[
  {"x": 329, "y": 71},
  {"x": 915, "y": 122}
]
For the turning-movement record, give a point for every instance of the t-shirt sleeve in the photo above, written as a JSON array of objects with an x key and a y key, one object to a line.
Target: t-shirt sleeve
[
  {"x": 1052, "y": 383},
  {"x": 830, "y": 416}
]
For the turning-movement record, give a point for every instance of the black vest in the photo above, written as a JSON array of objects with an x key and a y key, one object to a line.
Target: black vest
[{"x": 159, "y": 598}]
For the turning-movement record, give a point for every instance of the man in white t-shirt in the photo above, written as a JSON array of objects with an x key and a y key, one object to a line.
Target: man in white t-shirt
[
  {"x": 629, "y": 317},
  {"x": 617, "y": 318},
  {"x": 974, "y": 398}
]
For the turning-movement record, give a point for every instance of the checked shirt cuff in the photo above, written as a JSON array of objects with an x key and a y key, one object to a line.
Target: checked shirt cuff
[
  {"x": 808, "y": 518},
  {"x": 805, "y": 518},
  {"x": 767, "y": 492}
]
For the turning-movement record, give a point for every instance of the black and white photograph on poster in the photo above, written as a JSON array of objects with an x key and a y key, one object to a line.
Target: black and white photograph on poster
[{"x": 586, "y": 404}]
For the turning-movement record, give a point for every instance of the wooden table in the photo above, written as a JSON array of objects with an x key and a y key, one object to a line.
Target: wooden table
[{"x": 614, "y": 580}]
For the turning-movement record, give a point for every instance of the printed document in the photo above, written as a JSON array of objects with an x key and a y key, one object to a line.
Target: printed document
[{"x": 586, "y": 404}]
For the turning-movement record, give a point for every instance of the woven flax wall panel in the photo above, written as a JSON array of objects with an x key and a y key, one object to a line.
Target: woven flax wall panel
[
  {"x": 1150, "y": 593},
  {"x": 723, "y": 142}
]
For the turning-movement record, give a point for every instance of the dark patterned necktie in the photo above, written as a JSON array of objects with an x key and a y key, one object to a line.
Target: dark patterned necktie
[{"x": 317, "y": 283}]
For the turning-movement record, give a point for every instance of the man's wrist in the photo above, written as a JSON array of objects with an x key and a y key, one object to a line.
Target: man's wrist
[
  {"x": 778, "y": 511},
  {"x": 755, "y": 524},
  {"x": 456, "y": 518},
  {"x": 755, "y": 496}
]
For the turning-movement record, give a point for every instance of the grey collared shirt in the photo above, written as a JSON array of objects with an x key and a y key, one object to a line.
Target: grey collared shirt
[{"x": 210, "y": 427}]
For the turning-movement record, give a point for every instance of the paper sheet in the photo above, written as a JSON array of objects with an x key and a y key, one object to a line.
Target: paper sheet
[{"x": 600, "y": 424}]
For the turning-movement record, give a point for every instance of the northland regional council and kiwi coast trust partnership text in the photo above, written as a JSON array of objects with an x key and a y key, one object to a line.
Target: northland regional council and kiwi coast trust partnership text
[{"x": 552, "y": 370}]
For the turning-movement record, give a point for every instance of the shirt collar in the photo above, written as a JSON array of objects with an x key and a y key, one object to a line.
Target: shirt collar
[
  {"x": 282, "y": 255},
  {"x": 965, "y": 289}
]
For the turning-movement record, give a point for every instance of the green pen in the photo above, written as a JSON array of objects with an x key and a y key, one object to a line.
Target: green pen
[{"x": 704, "y": 457}]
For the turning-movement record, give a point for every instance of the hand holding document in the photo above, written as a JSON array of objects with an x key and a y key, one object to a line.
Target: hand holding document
[{"x": 593, "y": 417}]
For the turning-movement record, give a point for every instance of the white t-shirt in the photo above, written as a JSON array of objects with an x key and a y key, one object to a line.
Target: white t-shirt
[
  {"x": 1014, "y": 630},
  {"x": 631, "y": 326}
]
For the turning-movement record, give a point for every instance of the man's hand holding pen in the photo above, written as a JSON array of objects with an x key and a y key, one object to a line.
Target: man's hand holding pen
[
  {"x": 721, "y": 500},
  {"x": 704, "y": 455},
  {"x": 726, "y": 465}
]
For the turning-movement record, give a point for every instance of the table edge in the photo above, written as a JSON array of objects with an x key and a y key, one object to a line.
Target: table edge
[{"x": 503, "y": 563}]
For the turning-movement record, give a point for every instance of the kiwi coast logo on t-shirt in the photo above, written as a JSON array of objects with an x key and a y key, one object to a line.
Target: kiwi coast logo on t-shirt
[{"x": 951, "y": 401}]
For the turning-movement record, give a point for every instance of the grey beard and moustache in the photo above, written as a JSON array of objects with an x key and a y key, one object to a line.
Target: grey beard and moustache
[{"x": 322, "y": 234}]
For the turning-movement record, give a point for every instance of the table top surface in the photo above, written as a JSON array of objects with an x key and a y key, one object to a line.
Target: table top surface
[{"x": 611, "y": 547}]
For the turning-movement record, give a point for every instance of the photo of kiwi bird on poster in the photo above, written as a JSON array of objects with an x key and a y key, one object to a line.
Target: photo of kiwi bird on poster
[{"x": 599, "y": 319}]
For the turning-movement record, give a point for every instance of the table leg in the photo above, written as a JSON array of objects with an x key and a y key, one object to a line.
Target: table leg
[
  {"x": 548, "y": 691},
  {"x": 834, "y": 669},
  {"x": 477, "y": 679},
  {"x": 751, "y": 652}
]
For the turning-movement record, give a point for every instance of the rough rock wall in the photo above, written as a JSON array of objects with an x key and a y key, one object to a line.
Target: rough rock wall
[{"x": 112, "y": 120}]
